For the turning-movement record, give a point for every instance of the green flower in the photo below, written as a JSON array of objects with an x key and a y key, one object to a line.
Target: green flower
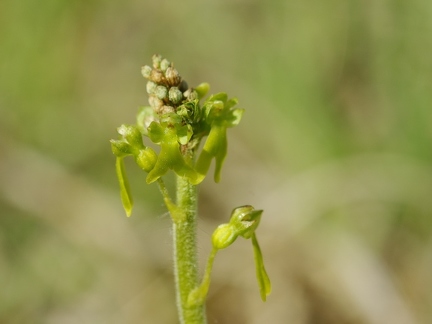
[
  {"x": 244, "y": 222},
  {"x": 130, "y": 143},
  {"x": 219, "y": 115},
  {"x": 168, "y": 135}
]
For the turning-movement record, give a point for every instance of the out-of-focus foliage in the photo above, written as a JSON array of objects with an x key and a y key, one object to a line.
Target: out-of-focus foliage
[{"x": 335, "y": 146}]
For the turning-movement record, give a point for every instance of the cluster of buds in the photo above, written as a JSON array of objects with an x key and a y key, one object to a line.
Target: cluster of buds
[
  {"x": 176, "y": 121},
  {"x": 165, "y": 87}
]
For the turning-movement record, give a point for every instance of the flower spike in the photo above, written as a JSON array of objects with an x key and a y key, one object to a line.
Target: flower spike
[{"x": 178, "y": 119}]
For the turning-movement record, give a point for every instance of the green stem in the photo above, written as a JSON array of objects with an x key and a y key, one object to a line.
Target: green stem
[{"x": 185, "y": 253}]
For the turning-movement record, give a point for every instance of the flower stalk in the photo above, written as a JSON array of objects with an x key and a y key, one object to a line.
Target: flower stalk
[{"x": 185, "y": 253}]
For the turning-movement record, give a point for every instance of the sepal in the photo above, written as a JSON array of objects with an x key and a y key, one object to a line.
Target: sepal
[
  {"x": 245, "y": 220},
  {"x": 121, "y": 148}
]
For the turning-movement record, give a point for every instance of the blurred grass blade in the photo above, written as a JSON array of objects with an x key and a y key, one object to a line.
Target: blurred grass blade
[
  {"x": 263, "y": 279},
  {"x": 125, "y": 194}
]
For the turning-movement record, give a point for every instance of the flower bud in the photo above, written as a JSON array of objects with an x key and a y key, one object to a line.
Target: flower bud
[
  {"x": 190, "y": 94},
  {"x": 155, "y": 102},
  {"x": 146, "y": 159},
  {"x": 175, "y": 95},
  {"x": 150, "y": 87},
  {"x": 164, "y": 64},
  {"x": 156, "y": 76},
  {"x": 183, "y": 86},
  {"x": 172, "y": 76},
  {"x": 223, "y": 236},
  {"x": 161, "y": 92},
  {"x": 202, "y": 89},
  {"x": 146, "y": 71},
  {"x": 156, "y": 61},
  {"x": 162, "y": 110}
]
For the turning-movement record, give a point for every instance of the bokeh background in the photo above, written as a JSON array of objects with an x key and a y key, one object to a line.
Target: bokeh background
[{"x": 335, "y": 146}]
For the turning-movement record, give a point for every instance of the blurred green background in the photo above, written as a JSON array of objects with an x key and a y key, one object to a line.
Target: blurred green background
[{"x": 335, "y": 146}]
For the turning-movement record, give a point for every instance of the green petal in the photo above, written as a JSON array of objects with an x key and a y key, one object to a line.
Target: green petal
[
  {"x": 125, "y": 194},
  {"x": 263, "y": 279}
]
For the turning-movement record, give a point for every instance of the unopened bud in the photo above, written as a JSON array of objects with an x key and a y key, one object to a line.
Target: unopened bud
[
  {"x": 150, "y": 87},
  {"x": 190, "y": 94},
  {"x": 156, "y": 61},
  {"x": 164, "y": 64},
  {"x": 156, "y": 76},
  {"x": 172, "y": 76},
  {"x": 155, "y": 102},
  {"x": 161, "y": 92},
  {"x": 175, "y": 95},
  {"x": 183, "y": 86},
  {"x": 223, "y": 236},
  {"x": 146, "y": 71},
  {"x": 146, "y": 159},
  {"x": 202, "y": 89},
  {"x": 162, "y": 110}
]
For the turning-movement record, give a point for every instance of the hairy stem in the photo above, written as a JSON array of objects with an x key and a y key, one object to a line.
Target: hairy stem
[{"x": 185, "y": 253}]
